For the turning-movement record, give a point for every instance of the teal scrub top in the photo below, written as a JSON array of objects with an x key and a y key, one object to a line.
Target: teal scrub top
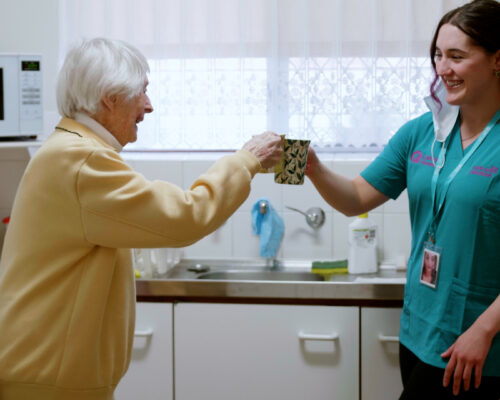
[{"x": 468, "y": 233}]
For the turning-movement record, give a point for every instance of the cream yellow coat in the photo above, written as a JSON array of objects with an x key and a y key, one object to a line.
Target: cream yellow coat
[{"x": 67, "y": 292}]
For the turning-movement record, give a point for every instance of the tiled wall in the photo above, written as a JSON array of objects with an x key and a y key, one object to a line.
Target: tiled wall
[{"x": 235, "y": 238}]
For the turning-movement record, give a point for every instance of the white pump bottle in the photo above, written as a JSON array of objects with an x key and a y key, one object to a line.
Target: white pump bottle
[{"x": 362, "y": 246}]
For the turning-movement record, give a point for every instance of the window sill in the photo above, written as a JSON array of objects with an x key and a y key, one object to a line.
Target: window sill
[
  {"x": 215, "y": 155},
  {"x": 20, "y": 144}
]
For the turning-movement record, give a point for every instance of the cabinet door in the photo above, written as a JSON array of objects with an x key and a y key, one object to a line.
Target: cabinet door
[
  {"x": 380, "y": 376},
  {"x": 266, "y": 352},
  {"x": 150, "y": 374}
]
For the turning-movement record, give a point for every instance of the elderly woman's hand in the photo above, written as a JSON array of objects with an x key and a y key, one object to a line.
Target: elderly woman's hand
[{"x": 266, "y": 147}]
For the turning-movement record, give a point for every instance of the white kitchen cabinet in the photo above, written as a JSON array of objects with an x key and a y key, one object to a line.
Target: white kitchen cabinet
[
  {"x": 380, "y": 376},
  {"x": 150, "y": 375},
  {"x": 266, "y": 352}
]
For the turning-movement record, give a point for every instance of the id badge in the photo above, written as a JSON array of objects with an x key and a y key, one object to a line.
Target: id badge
[{"x": 430, "y": 265}]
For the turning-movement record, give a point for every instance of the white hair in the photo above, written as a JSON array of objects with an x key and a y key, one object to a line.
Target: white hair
[{"x": 96, "y": 68}]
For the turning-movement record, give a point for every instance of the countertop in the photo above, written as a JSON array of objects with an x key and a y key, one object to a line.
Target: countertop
[{"x": 179, "y": 284}]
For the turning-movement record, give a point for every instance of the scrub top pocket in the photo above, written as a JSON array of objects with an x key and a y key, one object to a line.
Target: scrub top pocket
[
  {"x": 486, "y": 257},
  {"x": 454, "y": 309},
  {"x": 479, "y": 298}
]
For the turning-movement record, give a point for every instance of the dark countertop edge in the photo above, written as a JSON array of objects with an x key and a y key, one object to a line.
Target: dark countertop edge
[
  {"x": 272, "y": 301},
  {"x": 265, "y": 292}
]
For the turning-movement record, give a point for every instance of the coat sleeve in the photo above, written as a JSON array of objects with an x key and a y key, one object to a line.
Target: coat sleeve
[{"x": 122, "y": 209}]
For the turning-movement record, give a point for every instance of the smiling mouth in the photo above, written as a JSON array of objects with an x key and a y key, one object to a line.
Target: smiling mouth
[{"x": 453, "y": 84}]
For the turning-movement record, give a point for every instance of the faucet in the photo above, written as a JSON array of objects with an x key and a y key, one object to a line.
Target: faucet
[
  {"x": 273, "y": 263},
  {"x": 315, "y": 216}
]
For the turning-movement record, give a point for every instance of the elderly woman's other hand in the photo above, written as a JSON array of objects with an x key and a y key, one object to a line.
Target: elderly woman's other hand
[{"x": 266, "y": 147}]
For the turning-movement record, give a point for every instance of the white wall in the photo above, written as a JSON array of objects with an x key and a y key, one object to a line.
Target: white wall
[
  {"x": 28, "y": 26},
  {"x": 32, "y": 26},
  {"x": 236, "y": 239}
]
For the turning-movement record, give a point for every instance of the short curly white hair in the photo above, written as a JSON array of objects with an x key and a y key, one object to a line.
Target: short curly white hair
[{"x": 95, "y": 68}]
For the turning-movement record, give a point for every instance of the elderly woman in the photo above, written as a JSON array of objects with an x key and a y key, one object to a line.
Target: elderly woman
[{"x": 67, "y": 294}]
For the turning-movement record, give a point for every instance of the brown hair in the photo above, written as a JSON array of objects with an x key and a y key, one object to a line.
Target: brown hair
[{"x": 480, "y": 20}]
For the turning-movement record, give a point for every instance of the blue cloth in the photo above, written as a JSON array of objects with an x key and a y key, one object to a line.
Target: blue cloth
[
  {"x": 269, "y": 226},
  {"x": 468, "y": 232}
]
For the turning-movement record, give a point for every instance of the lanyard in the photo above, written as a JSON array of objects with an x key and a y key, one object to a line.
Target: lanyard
[{"x": 451, "y": 177}]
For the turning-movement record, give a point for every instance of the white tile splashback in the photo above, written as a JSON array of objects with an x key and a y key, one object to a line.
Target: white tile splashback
[
  {"x": 397, "y": 236},
  {"x": 263, "y": 186},
  {"x": 301, "y": 241},
  {"x": 167, "y": 170},
  {"x": 235, "y": 238}
]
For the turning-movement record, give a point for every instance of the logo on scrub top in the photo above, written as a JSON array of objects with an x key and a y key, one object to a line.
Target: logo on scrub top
[
  {"x": 484, "y": 171},
  {"x": 418, "y": 158}
]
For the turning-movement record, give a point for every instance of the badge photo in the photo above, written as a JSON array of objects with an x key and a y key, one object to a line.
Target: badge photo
[{"x": 430, "y": 267}]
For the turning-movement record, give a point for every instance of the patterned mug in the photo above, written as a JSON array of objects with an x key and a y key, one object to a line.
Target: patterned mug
[{"x": 291, "y": 169}]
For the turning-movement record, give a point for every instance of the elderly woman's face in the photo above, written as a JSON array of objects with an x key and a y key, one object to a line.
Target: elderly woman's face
[{"x": 126, "y": 114}]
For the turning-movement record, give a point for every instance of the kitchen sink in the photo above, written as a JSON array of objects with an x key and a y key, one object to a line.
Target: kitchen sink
[
  {"x": 262, "y": 275},
  {"x": 254, "y": 278},
  {"x": 243, "y": 270}
]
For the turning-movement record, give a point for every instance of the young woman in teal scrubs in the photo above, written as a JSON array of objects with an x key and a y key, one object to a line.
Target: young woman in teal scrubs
[{"x": 449, "y": 333}]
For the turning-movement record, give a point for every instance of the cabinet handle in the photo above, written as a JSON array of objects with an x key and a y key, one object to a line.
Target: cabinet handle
[
  {"x": 148, "y": 332},
  {"x": 391, "y": 339},
  {"x": 316, "y": 336}
]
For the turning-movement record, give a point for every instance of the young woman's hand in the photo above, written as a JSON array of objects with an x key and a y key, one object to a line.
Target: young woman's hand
[
  {"x": 312, "y": 161},
  {"x": 467, "y": 356}
]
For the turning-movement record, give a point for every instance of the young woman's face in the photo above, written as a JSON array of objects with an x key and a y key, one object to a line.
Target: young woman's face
[
  {"x": 429, "y": 261},
  {"x": 466, "y": 70}
]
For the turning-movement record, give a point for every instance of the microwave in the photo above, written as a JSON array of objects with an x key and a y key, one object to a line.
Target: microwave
[{"x": 21, "y": 110}]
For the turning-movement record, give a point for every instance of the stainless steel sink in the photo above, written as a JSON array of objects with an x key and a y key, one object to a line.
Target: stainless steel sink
[
  {"x": 246, "y": 278},
  {"x": 243, "y": 270},
  {"x": 263, "y": 275}
]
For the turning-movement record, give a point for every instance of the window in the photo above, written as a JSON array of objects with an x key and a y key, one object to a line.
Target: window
[
  {"x": 345, "y": 74},
  {"x": 341, "y": 104}
]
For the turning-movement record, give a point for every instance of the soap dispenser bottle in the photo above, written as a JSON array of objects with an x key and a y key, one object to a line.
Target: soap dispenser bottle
[{"x": 362, "y": 246}]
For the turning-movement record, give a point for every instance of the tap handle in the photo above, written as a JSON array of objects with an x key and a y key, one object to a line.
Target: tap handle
[
  {"x": 315, "y": 216},
  {"x": 296, "y": 209}
]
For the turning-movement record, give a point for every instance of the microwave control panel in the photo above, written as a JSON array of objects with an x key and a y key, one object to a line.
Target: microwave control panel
[
  {"x": 21, "y": 100},
  {"x": 30, "y": 89}
]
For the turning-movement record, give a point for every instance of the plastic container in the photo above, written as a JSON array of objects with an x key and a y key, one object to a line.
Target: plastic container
[
  {"x": 155, "y": 263},
  {"x": 362, "y": 246}
]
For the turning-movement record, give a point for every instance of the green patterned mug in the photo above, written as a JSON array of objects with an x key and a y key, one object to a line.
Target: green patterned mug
[{"x": 291, "y": 169}]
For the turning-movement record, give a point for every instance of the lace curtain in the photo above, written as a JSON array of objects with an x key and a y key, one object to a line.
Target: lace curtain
[{"x": 344, "y": 73}]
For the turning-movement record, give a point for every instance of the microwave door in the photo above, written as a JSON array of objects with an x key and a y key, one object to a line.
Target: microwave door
[
  {"x": 9, "y": 123},
  {"x": 1, "y": 94}
]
